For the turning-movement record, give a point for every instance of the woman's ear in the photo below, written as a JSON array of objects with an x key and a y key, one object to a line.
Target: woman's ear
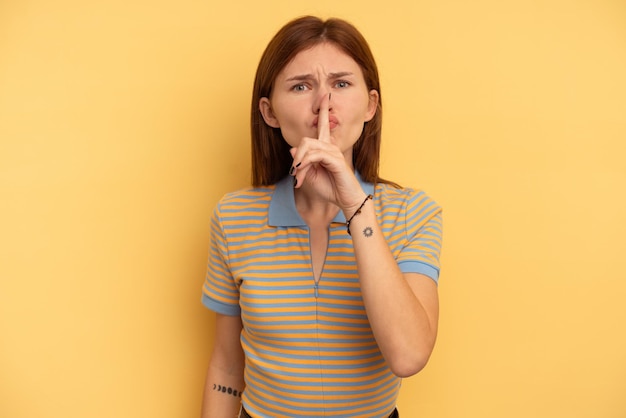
[
  {"x": 372, "y": 105},
  {"x": 265, "y": 108}
]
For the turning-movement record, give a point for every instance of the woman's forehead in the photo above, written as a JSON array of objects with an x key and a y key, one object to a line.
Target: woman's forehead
[{"x": 326, "y": 57}]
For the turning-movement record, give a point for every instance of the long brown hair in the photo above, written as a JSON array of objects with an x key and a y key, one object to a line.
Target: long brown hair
[{"x": 271, "y": 160}]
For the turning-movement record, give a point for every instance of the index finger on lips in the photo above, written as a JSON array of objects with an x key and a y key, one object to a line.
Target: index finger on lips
[{"x": 323, "y": 123}]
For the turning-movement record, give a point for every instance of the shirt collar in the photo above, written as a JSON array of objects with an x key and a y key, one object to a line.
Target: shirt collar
[{"x": 283, "y": 212}]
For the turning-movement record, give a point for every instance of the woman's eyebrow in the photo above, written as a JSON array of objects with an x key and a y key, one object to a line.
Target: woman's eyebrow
[
  {"x": 304, "y": 77},
  {"x": 340, "y": 74},
  {"x": 300, "y": 77}
]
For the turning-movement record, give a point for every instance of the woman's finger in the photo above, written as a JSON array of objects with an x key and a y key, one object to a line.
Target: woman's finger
[{"x": 323, "y": 123}]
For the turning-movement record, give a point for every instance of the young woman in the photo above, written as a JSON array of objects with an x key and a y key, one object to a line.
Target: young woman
[{"x": 323, "y": 276}]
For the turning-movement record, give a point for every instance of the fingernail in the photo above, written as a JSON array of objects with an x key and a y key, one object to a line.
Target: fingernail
[
  {"x": 291, "y": 170},
  {"x": 329, "y": 96},
  {"x": 298, "y": 165},
  {"x": 295, "y": 181}
]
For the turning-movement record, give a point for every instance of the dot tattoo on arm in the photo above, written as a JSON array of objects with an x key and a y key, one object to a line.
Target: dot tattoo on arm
[
  {"x": 228, "y": 390},
  {"x": 368, "y": 232}
]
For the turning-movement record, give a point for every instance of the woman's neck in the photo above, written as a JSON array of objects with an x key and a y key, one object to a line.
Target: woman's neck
[{"x": 313, "y": 209}]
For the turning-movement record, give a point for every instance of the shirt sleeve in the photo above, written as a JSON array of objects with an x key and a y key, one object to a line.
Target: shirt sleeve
[
  {"x": 423, "y": 228},
  {"x": 219, "y": 293}
]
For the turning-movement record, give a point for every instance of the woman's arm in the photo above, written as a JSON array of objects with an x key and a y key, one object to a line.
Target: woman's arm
[
  {"x": 224, "y": 382},
  {"x": 403, "y": 309}
]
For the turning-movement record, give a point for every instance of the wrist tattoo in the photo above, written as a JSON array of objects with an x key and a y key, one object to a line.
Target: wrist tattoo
[
  {"x": 368, "y": 232},
  {"x": 229, "y": 390}
]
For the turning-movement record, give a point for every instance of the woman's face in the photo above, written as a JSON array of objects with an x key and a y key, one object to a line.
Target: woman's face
[{"x": 300, "y": 88}]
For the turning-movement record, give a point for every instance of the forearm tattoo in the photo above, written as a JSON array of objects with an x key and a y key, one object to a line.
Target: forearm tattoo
[
  {"x": 368, "y": 232},
  {"x": 228, "y": 390}
]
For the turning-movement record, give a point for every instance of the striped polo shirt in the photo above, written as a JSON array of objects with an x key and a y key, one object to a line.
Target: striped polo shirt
[{"x": 309, "y": 347}]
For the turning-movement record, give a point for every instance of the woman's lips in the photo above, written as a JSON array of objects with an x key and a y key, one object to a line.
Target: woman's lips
[{"x": 332, "y": 122}]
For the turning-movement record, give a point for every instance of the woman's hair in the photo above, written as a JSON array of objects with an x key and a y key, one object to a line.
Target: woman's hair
[{"x": 271, "y": 159}]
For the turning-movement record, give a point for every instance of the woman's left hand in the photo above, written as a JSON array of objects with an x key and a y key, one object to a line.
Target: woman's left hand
[{"x": 319, "y": 164}]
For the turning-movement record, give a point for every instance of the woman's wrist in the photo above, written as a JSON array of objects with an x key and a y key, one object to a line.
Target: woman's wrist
[
  {"x": 356, "y": 212},
  {"x": 353, "y": 206}
]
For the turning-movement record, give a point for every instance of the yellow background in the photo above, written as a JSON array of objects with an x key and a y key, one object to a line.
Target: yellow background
[{"x": 123, "y": 122}]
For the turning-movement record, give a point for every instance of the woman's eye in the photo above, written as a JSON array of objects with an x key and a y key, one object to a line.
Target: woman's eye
[
  {"x": 342, "y": 84},
  {"x": 299, "y": 87}
]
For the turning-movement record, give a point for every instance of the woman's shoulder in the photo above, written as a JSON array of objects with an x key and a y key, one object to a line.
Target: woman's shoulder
[
  {"x": 245, "y": 197},
  {"x": 407, "y": 207},
  {"x": 391, "y": 194},
  {"x": 249, "y": 192}
]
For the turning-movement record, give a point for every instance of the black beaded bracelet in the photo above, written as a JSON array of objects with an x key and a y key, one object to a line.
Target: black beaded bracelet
[{"x": 369, "y": 196}]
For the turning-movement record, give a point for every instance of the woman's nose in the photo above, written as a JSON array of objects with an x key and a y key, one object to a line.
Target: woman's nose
[{"x": 317, "y": 104}]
